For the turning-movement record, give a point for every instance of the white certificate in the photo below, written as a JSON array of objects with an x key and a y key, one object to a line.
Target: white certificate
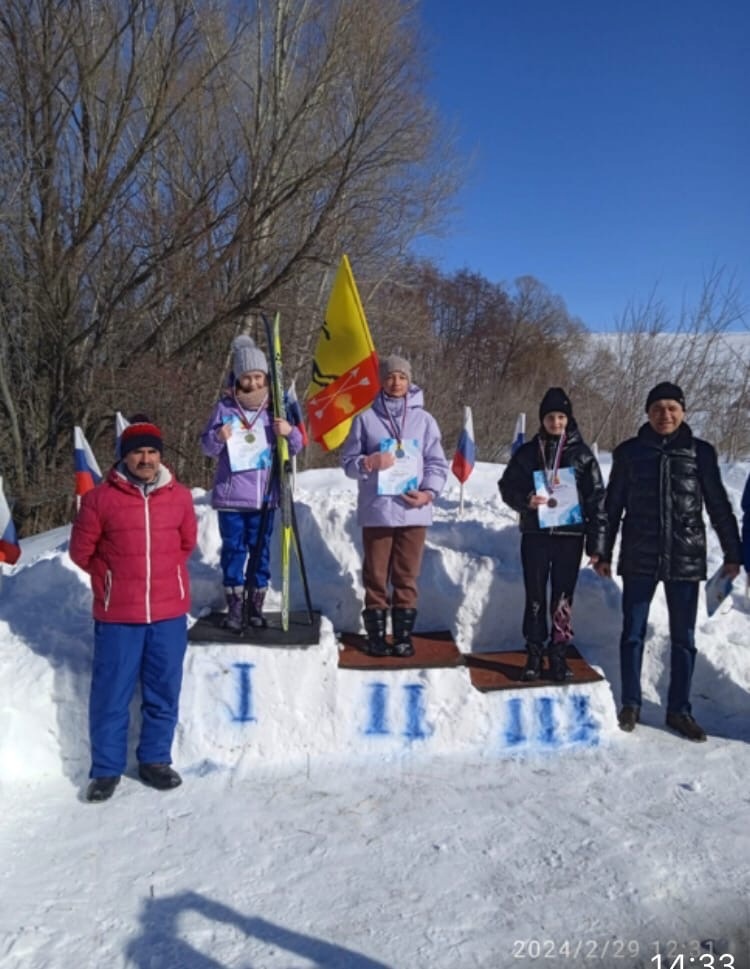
[
  {"x": 404, "y": 474},
  {"x": 718, "y": 588},
  {"x": 563, "y": 504},
  {"x": 248, "y": 448}
]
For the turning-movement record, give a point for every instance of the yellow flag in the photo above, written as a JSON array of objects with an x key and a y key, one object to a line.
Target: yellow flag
[{"x": 345, "y": 366}]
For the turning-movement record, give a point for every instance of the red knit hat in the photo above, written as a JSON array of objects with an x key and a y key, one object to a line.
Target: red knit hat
[{"x": 143, "y": 434}]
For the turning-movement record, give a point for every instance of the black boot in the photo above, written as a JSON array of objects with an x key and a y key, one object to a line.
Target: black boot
[
  {"x": 101, "y": 789},
  {"x": 403, "y": 623},
  {"x": 375, "y": 625},
  {"x": 533, "y": 668},
  {"x": 558, "y": 668}
]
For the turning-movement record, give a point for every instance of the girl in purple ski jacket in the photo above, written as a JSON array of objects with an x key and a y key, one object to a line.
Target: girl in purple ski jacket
[
  {"x": 394, "y": 452},
  {"x": 241, "y": 434}
]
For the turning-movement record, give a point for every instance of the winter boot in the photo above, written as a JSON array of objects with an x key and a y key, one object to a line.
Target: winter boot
[
  {"x": 161, "y": 776},
  {"x": 374, "y": 620},
  {"x": 558, "y": 668},
  {"x": 101, "y": 789},
  {"x": 686, "y": 725},
  {"x": 534, "y": 656},
  {"x": 403, "y": 623},
  {"x": 233, "y": 619},
  {"x": 255, "y": 609}
]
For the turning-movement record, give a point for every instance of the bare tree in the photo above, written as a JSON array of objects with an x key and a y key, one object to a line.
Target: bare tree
[
  {"x": 617, "y": 371},
  {"x": 170, "y": 167}
]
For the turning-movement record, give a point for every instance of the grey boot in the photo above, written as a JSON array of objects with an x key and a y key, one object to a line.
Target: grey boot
[
  {"x": 374, "y": 620},
  {"x": 233, "y": 618},
  {"x": 533, "y": 669},
  {"x": 255, "y": 608},
  {"x": 403, "y": 624}
]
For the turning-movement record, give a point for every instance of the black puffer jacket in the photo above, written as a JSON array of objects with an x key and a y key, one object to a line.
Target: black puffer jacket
[
  {"x": 660, "y": 484},
  {"x": 517, "y": 484}
]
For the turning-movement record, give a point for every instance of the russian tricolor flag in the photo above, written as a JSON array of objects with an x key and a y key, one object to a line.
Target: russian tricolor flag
[
  {"x": 294, "y": 410},
  {"x": 465, "y": 457},
  {"x": 519, "y": 434},
  {"x": 10, "y": 550},
  {"x": 88, "y": 474}
]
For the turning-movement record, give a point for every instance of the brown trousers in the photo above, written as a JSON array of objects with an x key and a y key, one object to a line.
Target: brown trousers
[{"x": 395, "y": 555}]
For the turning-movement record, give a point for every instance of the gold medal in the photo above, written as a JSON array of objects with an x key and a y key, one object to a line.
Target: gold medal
[{"x": 249, "y": 438}]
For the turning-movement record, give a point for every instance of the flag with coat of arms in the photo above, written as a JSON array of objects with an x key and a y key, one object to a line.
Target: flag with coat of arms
[{"x": 345, "y": 365}]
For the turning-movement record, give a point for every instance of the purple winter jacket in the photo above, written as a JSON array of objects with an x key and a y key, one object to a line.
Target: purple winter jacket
[
  {"x": 240, "y": 490},
  {"x": 367, "y": 431}
]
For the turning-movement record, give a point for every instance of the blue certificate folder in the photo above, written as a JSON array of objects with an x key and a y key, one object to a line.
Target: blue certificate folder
[
  {"x": 718, "y": 588},
  {"x": 563, "y": 504}
]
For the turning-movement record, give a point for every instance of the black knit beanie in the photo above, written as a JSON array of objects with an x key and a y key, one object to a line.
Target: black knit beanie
[
  {"x": 555, "y": 400},
  {"x": 665, "y": 391}
]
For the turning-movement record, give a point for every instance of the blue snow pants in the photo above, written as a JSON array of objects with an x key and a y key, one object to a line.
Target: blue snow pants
[
  {"x": 123, "y": 654},
  {"x": 240, "y": 534}
]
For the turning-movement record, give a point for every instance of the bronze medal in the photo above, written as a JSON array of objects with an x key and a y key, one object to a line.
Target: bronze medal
[
  {"x": 249, "y": 438},
  {"x": 552, "y": 502}
]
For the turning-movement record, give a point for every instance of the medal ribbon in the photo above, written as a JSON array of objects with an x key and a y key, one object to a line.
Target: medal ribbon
[
  {"x": 551, "y": 476},
  {"x": 249, "y": 425},
  {"x": 392, "y": 425}
]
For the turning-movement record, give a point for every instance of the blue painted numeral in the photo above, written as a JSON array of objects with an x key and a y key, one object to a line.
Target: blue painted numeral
[
  {"x": 414, "y": 711},
  {"x": 244, "y": 694},
  {"x": 583, "y": 730},
  {"x": 378, "y": 724}
]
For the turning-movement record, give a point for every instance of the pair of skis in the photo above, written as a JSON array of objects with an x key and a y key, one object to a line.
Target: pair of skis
[{"x": 281, "y": 473}]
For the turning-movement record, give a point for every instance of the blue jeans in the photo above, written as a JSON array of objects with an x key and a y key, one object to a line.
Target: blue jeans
[
  {"x": 682, "y": 605},
  {"x": 240, "y": 534},
  {"x": 123, "y": 654}
]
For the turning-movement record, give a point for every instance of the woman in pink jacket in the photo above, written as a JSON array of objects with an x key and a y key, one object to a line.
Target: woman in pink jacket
[{"x": 133, "y": 535}]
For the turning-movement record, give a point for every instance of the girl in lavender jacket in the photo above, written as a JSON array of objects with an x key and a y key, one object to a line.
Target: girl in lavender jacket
[
  {"x": 394, "y": 451},
  {"x": 242, "y": 415}
]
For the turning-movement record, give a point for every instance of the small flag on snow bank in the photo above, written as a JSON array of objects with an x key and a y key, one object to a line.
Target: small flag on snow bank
[
  {"x": 87, "y": 470},
  {"x": 465, "y": 456},
  {"x": 120, "y": 424},
  {"x": 10, "y": 550},
  {"x": 519, "y": 433},
  {"x": 294, "y": 410}
]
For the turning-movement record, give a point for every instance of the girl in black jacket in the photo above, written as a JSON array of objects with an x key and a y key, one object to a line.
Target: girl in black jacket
[{"x": 553, "y": 553}]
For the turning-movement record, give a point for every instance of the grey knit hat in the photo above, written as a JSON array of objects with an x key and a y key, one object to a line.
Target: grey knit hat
[
  {"x": 393, "y": 363},
  {"x": 246, "y": 356}
]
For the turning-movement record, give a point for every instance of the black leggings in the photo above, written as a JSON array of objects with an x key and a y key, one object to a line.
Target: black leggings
[{"x": 544, "y": 557}]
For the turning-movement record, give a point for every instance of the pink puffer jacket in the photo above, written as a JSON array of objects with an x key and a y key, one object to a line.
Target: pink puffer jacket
[{"x": 135, "y": 547}]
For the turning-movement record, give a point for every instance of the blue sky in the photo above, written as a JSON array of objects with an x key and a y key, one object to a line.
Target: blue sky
[{"x": 608, "y": 144}]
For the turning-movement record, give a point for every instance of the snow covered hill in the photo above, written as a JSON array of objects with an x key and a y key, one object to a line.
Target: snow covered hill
[{"x": 302, "y": 838}]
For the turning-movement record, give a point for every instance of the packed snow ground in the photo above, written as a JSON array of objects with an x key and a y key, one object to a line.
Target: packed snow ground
[{"x": 302, "y": 839}]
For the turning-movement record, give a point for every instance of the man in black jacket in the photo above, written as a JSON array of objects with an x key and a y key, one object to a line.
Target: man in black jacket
[{"x": 660, "y": 480}]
